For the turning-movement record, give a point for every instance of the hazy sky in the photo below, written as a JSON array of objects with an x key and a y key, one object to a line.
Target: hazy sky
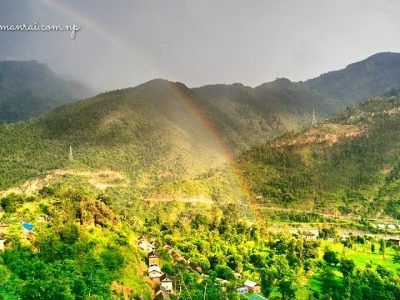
[{"x": 124, "y": 43}]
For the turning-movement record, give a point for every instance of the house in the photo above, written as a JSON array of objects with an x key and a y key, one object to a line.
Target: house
[
  {"x": 381, "y": 226},
  {"x": 395, "y": 241},
  {"x": 310, "y": 236},
  {"x": 153, "y": 259},
  {"x": 161, "y": 294},
  {"x": 252, "y": 286},
  {"x": 398, "y": 226},
  {"x": 221, "y": 281},
  {"x": 146, "y": 246},
  {"x": 155, "y": 273},
  {"x": 166, "y": 283},
  {"x": 391, "y": 226},
  {"x": 2, "y": 245}
]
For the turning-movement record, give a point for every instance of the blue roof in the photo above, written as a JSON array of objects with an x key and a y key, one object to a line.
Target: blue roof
[{"x": 27, "y": 226}]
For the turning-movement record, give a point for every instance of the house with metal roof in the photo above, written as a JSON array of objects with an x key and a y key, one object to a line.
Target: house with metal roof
[{"x": 252, "y": 286}]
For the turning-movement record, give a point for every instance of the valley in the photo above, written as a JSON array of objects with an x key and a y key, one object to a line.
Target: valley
[{"x": 240, "y": 193}]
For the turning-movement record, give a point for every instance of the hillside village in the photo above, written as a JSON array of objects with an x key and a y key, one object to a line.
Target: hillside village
[
  {"x": 21, "y": 226},
  {"x": 165, "y": 283}
]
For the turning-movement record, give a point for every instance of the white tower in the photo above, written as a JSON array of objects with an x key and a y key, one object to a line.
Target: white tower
[
  {"x": 70, "y": 156},
  {"x": 314, "y": 118}
]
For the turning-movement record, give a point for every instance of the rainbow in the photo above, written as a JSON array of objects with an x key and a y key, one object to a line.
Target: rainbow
[
  {"x": 220, "y": 143},
  {"x": 102, "y": 31},
  {"x": 196, "y": 111}
]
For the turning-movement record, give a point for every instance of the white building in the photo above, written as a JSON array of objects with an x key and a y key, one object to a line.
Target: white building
[
  {"x": 2, "y": 245},
  {"x": 146, "y": 246},
  {"x": 166, "y": 283},
  {"x": 155, "y": 272},
  {"x": 252, "y": 286}
]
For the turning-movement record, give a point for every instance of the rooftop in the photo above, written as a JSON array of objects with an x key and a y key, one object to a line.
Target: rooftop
[
  {"x": 256, "y": 297},
  {"x": 154, "y": 268},
  {"x": 250, "y": 283}
]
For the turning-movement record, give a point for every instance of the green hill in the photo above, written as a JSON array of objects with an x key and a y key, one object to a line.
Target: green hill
[
  {"x": 349, "y": 165},
  {"x": 73, "y": 248},
  {"x": 374, "y": 76},
  {"x": 154, "y": 133},
  {"x": 28, "y": 89},
  {"x": 245, "y": 115}
]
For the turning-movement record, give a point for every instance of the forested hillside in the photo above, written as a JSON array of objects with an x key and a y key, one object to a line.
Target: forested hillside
[
  {"x": 349, "y": 165},
  {"x": 373, "y": 76},
  {"x": 28, "y": 89},
  {"x": 65, "y": 243},
  {"x": 156, "y": 132},
  {"x": 245, "y": 116}
]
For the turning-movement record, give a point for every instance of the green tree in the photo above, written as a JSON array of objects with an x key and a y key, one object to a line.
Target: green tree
[
  {"x": 224, "y": 272},
  {"x": 286, "y": 289},
  {"x": 382, "y": 247},
  {"x": 331, "y": 257},
  {"x": 330, "y": 285},
  {"x": 267, "y": 279},
  {"x": 372, "y": 248},
  {"x": 346, "y": 266}
]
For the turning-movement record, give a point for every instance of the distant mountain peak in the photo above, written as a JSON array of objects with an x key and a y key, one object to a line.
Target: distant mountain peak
[
  {"x": 381, "y": 59},
  {"x": 277, "y": 83},
  {"x": 29, "y": 88},
  {"x": 373, "y": 76}
]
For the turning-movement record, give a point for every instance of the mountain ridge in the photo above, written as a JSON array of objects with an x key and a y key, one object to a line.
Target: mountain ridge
[
  {"x": 29, "y": 88},
  {"x": 358, "y": 81}
]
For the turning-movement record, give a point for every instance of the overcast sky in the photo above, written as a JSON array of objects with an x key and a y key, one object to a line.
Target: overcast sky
[{"x": 124, "y": 43}]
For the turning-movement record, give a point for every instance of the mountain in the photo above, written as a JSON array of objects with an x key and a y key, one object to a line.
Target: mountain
[
  {"x": 156, "y": 132},
  {"x": 163, "y": 140},
  {"x": 349, "y": 165},
  {"x": 374, "y": 76},
  {"x": 28, "y": 89},
  {"x": 245, "y": 115}
]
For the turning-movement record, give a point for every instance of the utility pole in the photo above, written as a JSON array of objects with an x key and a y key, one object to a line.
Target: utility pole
[
  {"x": 70, "y": 156},
  {"x": 314, "y": 118}
]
